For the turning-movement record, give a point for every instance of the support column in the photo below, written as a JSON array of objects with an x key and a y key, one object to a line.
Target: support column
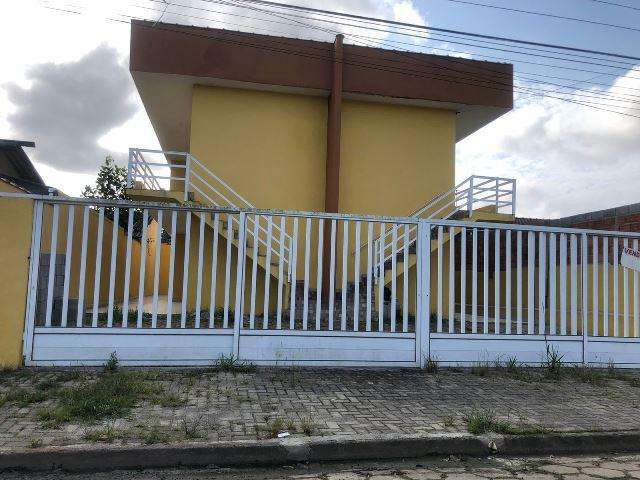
[{"x": 332, "y": 185}]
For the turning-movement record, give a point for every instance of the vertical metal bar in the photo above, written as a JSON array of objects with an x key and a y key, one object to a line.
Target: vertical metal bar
[
  {"x": 636, "y": 298},
  {"x": 307, "y": 250},
  {"x": 474, "y": 282},
  {"x": 452, "y": 278},
  {"x": 507, "y": 281},
  {"x": 280, "y": 274},
  {"x": 112, "y": 270},
  {"x": 32, "y": 291},
  {"x": 319, "y": 272},
  {"x": 52, "y": 262},
  {"x": 214, "y": 269},
  {"x": 542, "y": 282},
  {"x": 201, "y": 223},
  {"x": 156, "y": 271},
  {"x": 605, "y": 286},
  {"x": 227, "y": 271},
  {"x": 172, "y": 263},
  {"x": 239, "y": 300},
  {"x": 616, "y": 261},
  {"x": 127, "y": 270},
  {"x": 519, "y": 282},
  {"x": 381, "y": 279},
  {"x": 531, "y": 294},
  {"x": 595, "y": 286},
  {"x": 625, "y": 295},
  {"x": 98, "y": 269},
  {"x": 185, "y": 271},
  {"x": 469, "y": 199},
  {"x": 369, "y": 271},
  {"x": 563, "y": 284},
  {"x": 405, "y": 280},
  {"x": 67, "y": 265},
  {"x": 187, "y": 177},
  {"x": 585, "y": 296},
  {"x": 463, "y": 279},
  {"x": 439, "y": 318},
  {"x": 552, "y": 284},
  {"x": 345, "y": 267},
  {"x": 485, "y": 283},
  {"x": 143, "y": 265},
  {"x": 332, "y": 274},
  {"x": 394, "y": 273},
  {"x": 574, "y": 284},
  {"x": 356, "y": 279},
  {"x": 293, "y": 264},
  {"x": 254, "y": 269},
  {"x": 496, "y": 280},
  {"x": 513, "y": 197},
  {"x": 267, "y": 273}
]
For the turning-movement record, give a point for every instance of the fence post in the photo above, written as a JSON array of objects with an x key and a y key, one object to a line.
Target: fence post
[
  {"x": 239, "y": 304},
  {"x": 187, "y": 174},
  {"x": 497, "y": 195},
  {"x": 585, "y": 301},
  {"x": 513, "y": 197},
  {"x": 423, "y": 268},
  {"x": 469, "y": 197},
  {"x": 32, "y": 288}
]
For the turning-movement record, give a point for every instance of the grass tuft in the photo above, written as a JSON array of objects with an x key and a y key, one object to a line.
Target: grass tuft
[
  {"x": 232, "y": 364},
  {"x": 484, "y": 421}
]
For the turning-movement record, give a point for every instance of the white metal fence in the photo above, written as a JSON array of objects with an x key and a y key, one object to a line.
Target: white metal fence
[{"x": 167, "y": 284}]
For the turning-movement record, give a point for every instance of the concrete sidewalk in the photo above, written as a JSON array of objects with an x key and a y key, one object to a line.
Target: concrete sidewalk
[{"x": 209, "y": 405}]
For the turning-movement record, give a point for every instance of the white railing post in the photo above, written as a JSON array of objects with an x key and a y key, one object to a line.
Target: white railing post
[
  {"x": 240, "y": 270},
  {"x": 513, "y": 197},
  {"x": 187, "y": 174},
  {"x": 423, "y": 277},
  {"x": 32, "y": 292},
  {"x": 470, "y": 197},
  {"x": 497, "y": 194},
  {"x": 129, "y": 169}
]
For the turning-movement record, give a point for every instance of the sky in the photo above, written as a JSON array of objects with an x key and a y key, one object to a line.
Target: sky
[{"x": 64, "y": 83}]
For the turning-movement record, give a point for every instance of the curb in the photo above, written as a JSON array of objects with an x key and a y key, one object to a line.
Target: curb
[{"x": 314, "y": 449}]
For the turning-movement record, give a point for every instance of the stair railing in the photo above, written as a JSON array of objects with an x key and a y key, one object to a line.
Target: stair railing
[
  {"x": 474, "y": 192},
  {"x": 198, "y": 179}
]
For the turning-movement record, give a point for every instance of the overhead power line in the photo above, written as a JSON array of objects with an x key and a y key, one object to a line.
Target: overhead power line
[
  {"x": 437, "y": 29},
  {"x": 545, "y": 14},
  {"x": 614, "y": 4}
]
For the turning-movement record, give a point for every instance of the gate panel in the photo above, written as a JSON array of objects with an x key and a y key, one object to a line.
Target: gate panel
[{"x": 333, "y": 289}]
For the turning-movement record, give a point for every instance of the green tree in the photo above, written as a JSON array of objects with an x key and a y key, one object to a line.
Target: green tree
[{"x": 110, "y": 183}]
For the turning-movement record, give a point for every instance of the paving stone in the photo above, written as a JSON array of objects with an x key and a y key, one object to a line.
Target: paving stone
[
  {"x": 620, "y": 465},
  {"x": 603, "y": 472},
  {"x": 422, "y": 474},
  {"x": 559, "y": 469}
]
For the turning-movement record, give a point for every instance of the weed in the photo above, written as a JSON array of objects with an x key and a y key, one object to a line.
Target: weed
[
  {"x": 553, "y": 363},
  {"x": 483, "y": 421},
  {"x": 191, "y": 428},
  {"x": 449, "y": 421},
  {"x": 107, "y": 434},
  {"x": 35, "y": 443},
  {"x": 431, "y": 365},
  {"x": 112, "y": 363},
  {"x": 168, "y": 400},
  {"x": 291, "y": 425},
  {"x": 24, "y": 397},
  {"x": 272, "y": 428},
  {"x": 232, "y": 364},
  {"x": 154, "y": 435},
  {"x": 587, "y": 374},
  {"x": 481, "y": 369},
  {"x": 307, "y": 425}
]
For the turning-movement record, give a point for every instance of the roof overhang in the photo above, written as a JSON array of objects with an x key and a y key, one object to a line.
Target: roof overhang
[{"x": 168, "y": 60}]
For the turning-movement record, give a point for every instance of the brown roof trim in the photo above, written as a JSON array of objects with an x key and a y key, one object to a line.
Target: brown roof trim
[{"x": 307, "y": 64}]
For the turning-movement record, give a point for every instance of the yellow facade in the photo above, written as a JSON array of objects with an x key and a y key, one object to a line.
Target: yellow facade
[{"x": 16, "y": 217}]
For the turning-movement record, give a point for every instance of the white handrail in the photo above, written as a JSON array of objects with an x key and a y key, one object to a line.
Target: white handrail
[{"x": 200, "y": 179}]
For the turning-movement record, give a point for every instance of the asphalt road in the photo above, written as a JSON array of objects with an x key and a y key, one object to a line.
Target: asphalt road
[{"x": 452, "y": 468}]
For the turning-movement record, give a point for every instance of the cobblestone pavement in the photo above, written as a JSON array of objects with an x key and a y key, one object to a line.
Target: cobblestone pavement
[
  {"x": 530, "y": 468},
  {"x": 210, "y": 405}
]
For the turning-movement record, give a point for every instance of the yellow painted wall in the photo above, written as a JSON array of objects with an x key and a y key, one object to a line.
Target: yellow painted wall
[
  {"x": 394, "y": 158},
  {"x": 270, "y": 147},
  {"x": 16, "y": 217}
]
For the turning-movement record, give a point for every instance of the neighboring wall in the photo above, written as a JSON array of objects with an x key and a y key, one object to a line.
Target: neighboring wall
[{"x": 16, "y": 217}]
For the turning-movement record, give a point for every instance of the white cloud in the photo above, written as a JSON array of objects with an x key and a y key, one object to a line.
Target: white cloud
[{"x": 567, "y": 158}]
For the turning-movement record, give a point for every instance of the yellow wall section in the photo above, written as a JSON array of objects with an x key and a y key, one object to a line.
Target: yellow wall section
[
  {"x": 395, "y": 158},
  {"x": 16, "y": 217},
  {"x": 270, "y": 147}
]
